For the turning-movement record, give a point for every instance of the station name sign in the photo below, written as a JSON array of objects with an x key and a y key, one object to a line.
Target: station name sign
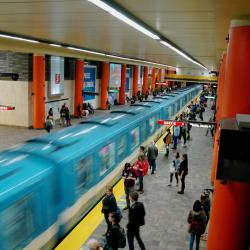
[{"x": 198, "y": 124}]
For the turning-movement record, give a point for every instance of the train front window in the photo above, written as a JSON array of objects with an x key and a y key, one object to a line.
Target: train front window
[
  {"x": 18, "y": 223},
  {"x": 84, "y": 172}
]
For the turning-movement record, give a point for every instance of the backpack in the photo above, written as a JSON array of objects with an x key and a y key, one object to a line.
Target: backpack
[
  {"x": 197, "y": 225},
  {"x": 121, "y": 238}
]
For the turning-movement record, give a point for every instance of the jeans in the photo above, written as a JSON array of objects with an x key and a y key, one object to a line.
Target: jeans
[
  {"x": 175, "y": 141},
  {"x": 128, "y": 190},
  {"x": 152, "y": 165},
  {"x": 183, "y": 183},
  {"x": 191, "y": 242},
  {"x": 176, "y": 177},
  {"x": 140, "y": 182},
  {"x": 109, "y": 225},
  {"x": 131, "y": 233}
]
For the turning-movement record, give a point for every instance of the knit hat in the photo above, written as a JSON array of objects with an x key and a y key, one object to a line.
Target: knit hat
[{"x": 197, "y": 206}]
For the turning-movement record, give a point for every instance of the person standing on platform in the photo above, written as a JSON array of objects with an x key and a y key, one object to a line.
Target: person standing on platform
[
  {"x": 174, "y": 167},
  {"x": 109, "y": 205},
  {"x": 176, "y": 133},
  {"x": 62, "y": 114},
  {"x": 135, "y": 221},
  {"x": 112, "y": 236},
  {"x": 67, "y": 117},
  {"x": 129, "y": 175},
  {"x": 197, "y": 224},
  {"x": 152, "y": 155},
  {"x": 167, "y": 140},
  {"x": 183, "y": 171},
  {"x": 141, "y": 167}
]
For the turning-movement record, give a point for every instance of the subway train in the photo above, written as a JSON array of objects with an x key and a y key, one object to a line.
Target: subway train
[{"x": 48, "y": 183}]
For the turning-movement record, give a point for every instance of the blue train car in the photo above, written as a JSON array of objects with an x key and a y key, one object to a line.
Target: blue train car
[{"x": 55, "y": 180}]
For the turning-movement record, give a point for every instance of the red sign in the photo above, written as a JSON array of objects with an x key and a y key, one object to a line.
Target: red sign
[
  {"x": 57, "y": 78},
  {"x": 6, "y": 108},
  {"x": 171, "y": 123}
]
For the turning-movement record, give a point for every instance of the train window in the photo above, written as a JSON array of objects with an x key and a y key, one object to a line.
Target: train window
[
  {"x": 144, "y": 131},
  {"x": 166, "y": 115},
  {"x": 122, "y": 147},
  {"x": 84, "y": 172},
  {"x": 18, "y": 222},
  {"x": 152, "y": 124},
  {"x": 107, "y": 156},
  {"x": 135, "y": 138}
]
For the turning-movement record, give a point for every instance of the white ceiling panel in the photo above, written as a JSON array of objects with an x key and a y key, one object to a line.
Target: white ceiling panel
[{"x": 199, "y": 27}]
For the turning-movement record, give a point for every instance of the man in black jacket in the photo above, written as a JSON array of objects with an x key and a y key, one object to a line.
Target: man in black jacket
[{"x": 135, "y": 220}]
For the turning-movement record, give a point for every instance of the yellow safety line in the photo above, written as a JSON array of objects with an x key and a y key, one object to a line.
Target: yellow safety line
[{"x": 87, "y": 226}]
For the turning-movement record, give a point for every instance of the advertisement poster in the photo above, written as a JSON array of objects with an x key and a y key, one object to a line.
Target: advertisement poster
[
  {"x": 115, "y": 72},
  {"x": 89, "y": 82},
  {"x": 127, "y": 79},
  {"x": 56, "y": 76}
]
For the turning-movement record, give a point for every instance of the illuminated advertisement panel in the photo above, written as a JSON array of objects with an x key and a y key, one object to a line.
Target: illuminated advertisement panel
[{"x": 56, "y": 76}]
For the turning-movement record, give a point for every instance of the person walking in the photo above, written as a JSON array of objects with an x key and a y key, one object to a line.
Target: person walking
[
  {"x": 129, "y": 176},
  {"x": 109, "y": 205},
  {"x": 197, "y": 224},
  {"x": 167, "y": 140},
  {"x": 183, "y": 171},
  {"x": 152, "y": 155},
  {"x": 136, "y": 219}
]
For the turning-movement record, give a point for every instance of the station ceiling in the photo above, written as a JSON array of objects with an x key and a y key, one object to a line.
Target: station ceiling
[{"x": 199, "y": 27}]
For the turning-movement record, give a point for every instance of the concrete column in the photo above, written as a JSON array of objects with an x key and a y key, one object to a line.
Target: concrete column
[
  {"x": 123, "y": 86},
  {"x": 104, "y": 85}
]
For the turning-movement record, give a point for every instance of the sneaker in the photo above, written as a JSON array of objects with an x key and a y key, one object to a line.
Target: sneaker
[
  {"x": 173, "y": 148},
  {"x": 180, "y": 192},
  {"x": 170, "y": 185}
]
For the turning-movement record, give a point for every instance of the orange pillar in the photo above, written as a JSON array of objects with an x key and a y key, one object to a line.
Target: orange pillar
[
  {"x": 230, "y": 217},
  {"x": 159, "y": 76},
  {"x": 145, "y": 80},
  {"x": 39, "y": 90},
  {"x": 104, "y": 85},
  {"x": 79, "y": 80},
  {"x": 152, "y": 87},
  {"x": 135, "y": 81},
  {"x": 123, "y": 86},
  {"x": 219, "y": 103}
]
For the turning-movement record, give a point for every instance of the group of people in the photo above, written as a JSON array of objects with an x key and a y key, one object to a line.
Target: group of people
[
  {"x": 85, "y": 109},
  {"x": 179, "y": 169},
  {"x": 115, "y": 236},
  {"x": 198, "y": 219}
]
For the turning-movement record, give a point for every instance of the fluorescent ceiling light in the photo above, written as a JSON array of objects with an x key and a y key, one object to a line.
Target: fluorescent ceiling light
[
  {"x": 87, "y": 51},
  {"x": 19, "y": 38},
  {"x": 55, "y": 45},
  {"x": 123, "y": 18},
  {"x": 182, "y": 54}
]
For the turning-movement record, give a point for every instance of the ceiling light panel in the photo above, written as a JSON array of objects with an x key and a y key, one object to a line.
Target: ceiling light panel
[{"x": 123, "y": 18}]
